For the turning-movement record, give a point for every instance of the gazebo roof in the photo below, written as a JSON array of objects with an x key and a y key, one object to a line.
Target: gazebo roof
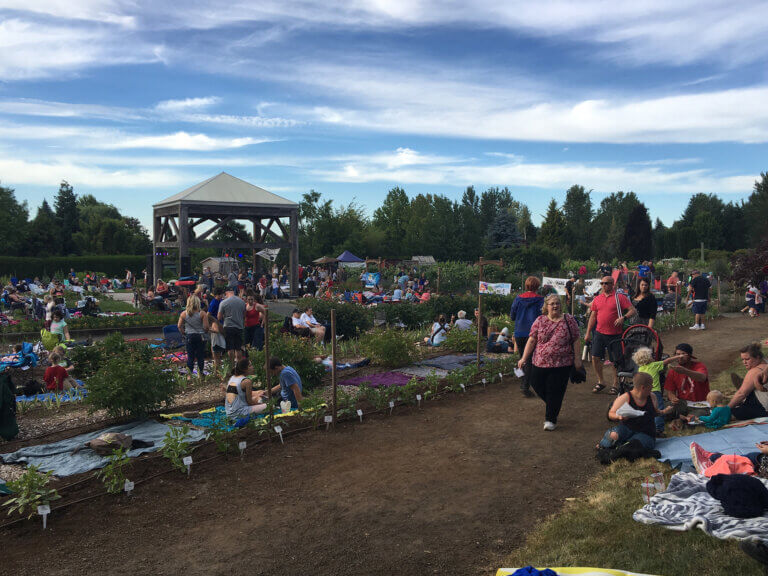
[{"x": 226, "y": 189}]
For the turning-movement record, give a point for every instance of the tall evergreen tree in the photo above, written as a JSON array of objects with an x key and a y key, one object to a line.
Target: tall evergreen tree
[
  {"x": 14, "y": 228},
  {"x": 43, "y": 232},
  {"x": 391, "y": 218},
  {"x": 578, "y": 217},
  {"x": 502, "y": 233},
  {"x": 67, "y": 216},
  {"x": 637, "y": 243},
  {"x": 553, "y": 231},
  {"x": 756, "y": 210}
]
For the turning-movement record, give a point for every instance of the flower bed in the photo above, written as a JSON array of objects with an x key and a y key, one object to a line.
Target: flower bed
[{"x": 99, "y": 322}]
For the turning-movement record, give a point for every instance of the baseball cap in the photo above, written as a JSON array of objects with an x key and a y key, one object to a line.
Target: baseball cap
[{"x": 687, "y": 348}]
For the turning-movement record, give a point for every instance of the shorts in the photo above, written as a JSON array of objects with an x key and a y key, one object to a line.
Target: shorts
[
  {"x": 699, "y": 307},
  {"x": 600, "y": 343},
  {"x": 234, "y": 338}
]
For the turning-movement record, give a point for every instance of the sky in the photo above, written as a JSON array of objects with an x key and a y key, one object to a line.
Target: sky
[{"x": 135, "y": 100}]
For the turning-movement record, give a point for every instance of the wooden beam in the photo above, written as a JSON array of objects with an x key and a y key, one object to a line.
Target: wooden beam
[{"x": 238, "y": 245}]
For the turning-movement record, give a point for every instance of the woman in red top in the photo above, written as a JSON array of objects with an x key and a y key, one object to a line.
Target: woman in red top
[
  {"x": 254, "y": 331},
  {"x": 556, "y": 347}
]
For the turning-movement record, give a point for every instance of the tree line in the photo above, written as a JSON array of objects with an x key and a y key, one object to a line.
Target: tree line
[
  {"x": 491, "y": 223},
  {"x": 74, "y": 226}
]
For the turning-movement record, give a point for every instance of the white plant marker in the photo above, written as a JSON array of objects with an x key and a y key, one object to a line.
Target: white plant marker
[
  {"x": 241, "y": 446},
  {"x": 43, "y": 511},
  {"x": 501, "y": 376},
  {"x": 360, "y": 414},
  {"x": 187, "y": 461},
  {"x": 328, "y": 420},
  {"x": 279, "y": 430},
  {"x": 484, "y": 382},
  {"x": 463, "y": 387},
  {"x": 128, "y": 487},
  {"x": 418, "y": 399},
  {"x": 391, "y": 406}
]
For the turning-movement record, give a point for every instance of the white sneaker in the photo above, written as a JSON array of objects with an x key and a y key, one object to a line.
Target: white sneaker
[
  {"x": 549, "y": 425},
  {"x": 702, "y": 327},
  {"x": 694, "y": 327}
]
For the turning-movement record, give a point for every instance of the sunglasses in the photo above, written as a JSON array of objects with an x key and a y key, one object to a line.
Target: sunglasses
[{"x": 607, "y": 283}]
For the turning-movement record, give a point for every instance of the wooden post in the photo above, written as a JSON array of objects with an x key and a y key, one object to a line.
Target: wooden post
[
  {"x": 266, "y": 365},
  {"x": 438, "y": 280},
  {"x": 333, "y": 363},
  {"x": 719, "y": 294},
  {"x": 677, "y": 288},
  {"x": 479, "y": 314}
]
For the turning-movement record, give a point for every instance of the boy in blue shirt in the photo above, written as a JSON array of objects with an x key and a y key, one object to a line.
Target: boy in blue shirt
[{"x": 290, "y": 383}]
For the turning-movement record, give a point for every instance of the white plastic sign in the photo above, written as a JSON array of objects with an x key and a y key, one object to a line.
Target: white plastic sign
[
  {"x": 187, "y": 461},
  {"x": 484, "y": 382},
  {"x": 128, "y": 487},
  {"x": 360, "y": 414},
  {"x": 463, "y": 387},
  {"x": 418, "y": 399},
  {"x": 501, "y": 376},
  {"x": 279, "y": 430},
  {"x": 391, "y": 406},
  {"x": 328, "y": 420},
  {"x": 241, "y": 446},
  {"x": 43, "y": 511}
]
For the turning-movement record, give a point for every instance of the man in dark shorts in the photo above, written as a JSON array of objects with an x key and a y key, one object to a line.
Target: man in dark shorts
[
  {"x": 232, "y": 315},
  {"x": 699, "y": 289},
  {"x": 606, "y": 323}
]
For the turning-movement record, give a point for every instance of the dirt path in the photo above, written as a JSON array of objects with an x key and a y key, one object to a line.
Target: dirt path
[{"x": 449, "y": 489}]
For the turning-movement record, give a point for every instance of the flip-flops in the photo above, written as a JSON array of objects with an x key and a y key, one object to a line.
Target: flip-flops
[{"x": 598, "y": 388}]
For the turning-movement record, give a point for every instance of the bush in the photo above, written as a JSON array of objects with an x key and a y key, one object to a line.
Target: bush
[
  {"x": 351, "y": 319},
  {"x": 131, "y": 383},
  {"x": 389, "y": 348},
  {"x": 462, "y": 340},
  {"x": 88, "y": 359},
  {"x": 23, "y": 267},
  {"x": 292, "y": 351}
]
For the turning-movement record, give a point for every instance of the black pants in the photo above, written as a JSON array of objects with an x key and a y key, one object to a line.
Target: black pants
[
  {"x": 751, "y": 408},
  {"x": 254, "y": 335},
  {"x": 521, "y": 341},
  {"x": 549, "y": 385},
  {"x": 195, "y": 352}
]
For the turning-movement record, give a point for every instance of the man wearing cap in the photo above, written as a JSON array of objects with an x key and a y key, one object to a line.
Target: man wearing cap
[
  {"x": 606, "y": 323},
  {"x": 699, "y": 289},
  {"x": 232, "y": 315},
  {"x": 688, "y": 379}
]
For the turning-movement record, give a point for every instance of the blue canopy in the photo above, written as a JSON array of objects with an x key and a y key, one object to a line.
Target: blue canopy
[{"x": 347, "y": 256}]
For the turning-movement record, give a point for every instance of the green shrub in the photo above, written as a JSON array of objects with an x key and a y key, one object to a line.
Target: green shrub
[
  {"x": 131, "y": 383},
  {"x": 351, "y": 319},
  {"x": 24, "y": 267},
  {"x": 462, "y": 340},
  {"x": 30, "y": 491},
  {"x": 112, "y": 475},
  {"x": 389, "y": 348},
  {"x": 296, "y": 352},
  {"x": 176, "y": 446}
]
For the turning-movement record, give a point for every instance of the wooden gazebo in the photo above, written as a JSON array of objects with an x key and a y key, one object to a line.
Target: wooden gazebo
[{"x": 216, "y": 203}]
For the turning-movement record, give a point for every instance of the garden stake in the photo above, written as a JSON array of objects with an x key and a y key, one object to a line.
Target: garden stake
[
  {"x": 44, "y": 511},
  {"x": 128, "y": 487},
  {"x": 187, "y": 461},
  {"x": 328, "y": 421},
  {"x": 333, "y": 364},
  {"x": 391, "y": 406},
  {"x": 676, "y": 296},
  {"x": 481, "y": 264},
  {"x": 418, "y": 399},
  {"x": 242, "y": 446},
  {"x": 360, "y": 414},
  {"x": 279, "y": 430}
]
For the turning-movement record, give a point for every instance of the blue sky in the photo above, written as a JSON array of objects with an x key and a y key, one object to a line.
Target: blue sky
[{"x": 133, "y": 102}]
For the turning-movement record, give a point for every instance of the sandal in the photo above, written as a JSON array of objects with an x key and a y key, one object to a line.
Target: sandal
[
  {"x": 598, "y": 388},
  {"x": 614, "y": 391}
]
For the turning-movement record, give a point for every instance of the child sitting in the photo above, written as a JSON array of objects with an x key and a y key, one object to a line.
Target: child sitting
[
  {"x": 56, "y": 377},
  {"x": 721, "y": 412},
  {"x": 643, "y": 357}
]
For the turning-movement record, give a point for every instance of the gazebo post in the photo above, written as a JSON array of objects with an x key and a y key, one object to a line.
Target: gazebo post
[
  {"x": 185, "y": 264},
  {"x": 293, "y": 261},
  {"x": 157, "y": 260}
]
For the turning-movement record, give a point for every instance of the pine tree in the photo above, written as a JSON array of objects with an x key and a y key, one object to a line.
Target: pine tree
[
  {"x": 554, "y": 229},
  {"x": 578, "y": 216},
  {"x": 67, "y": 216},
  {"x": 43, "y": 232},
  {"x": 637, "y": 243},
  {"x": 14, "y": 228}
]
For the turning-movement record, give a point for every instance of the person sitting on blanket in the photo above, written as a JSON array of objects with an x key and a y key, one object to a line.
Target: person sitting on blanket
[
  {"x": 688, "y": 379},
  {"x": 56, "y": 377},
  {"x": 641, "y": 428},
  {"x": 439, "y": 332},
  {"x": 241, "y": 400},
  {"x": 65, "y": 362},
  {"x": 290, "y": 387},
  {"x": 753, "y": 463},
  {"x": 462, "y": 323},
  {"x": 718, "y": 417},
  {"x": 751, "y": 398}
]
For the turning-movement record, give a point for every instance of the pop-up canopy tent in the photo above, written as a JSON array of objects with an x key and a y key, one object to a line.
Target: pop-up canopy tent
[{"x": 350, "y": 260}]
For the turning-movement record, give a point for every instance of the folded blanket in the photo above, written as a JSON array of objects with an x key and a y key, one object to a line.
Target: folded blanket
[
  {"x": 739, "y": 441},
  {"x": 685, "y": 505}
]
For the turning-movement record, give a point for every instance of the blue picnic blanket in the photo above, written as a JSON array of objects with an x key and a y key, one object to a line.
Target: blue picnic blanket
[
  {"x": 217, "y": 418},
  {"x": 71, "y": 395},
  {"x": 677, "y": 452},
  {"x": 20, "y": 359},
  {"x": 452, "y": 361},
  {"x": 58, "y": 457}
]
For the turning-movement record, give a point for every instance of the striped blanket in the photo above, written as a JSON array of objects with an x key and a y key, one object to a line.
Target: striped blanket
[{"x": 686, "y": 505}]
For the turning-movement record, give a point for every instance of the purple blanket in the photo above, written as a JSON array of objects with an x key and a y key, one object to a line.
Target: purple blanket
[{"x": 384, "y": 379}]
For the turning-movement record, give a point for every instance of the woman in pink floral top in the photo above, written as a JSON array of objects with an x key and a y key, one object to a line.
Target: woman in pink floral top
[{"x": 556, "y": 347}]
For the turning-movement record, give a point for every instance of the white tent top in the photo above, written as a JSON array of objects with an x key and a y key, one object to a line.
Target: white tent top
[{"x": 226, "y": 189}]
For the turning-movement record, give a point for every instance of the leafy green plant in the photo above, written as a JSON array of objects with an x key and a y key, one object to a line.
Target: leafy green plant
[
  {"x": 175, "y": 446},
  {"x": 389, "y": 348},
  {"x": 30, "y": 491},
  {"x": 313, "y": 407},
  {"x": 113, "y": 475},
  {"x": 462, "y": 340},
  {"x": 131, "y": 383},
  {"x": 294, "y": 352}
]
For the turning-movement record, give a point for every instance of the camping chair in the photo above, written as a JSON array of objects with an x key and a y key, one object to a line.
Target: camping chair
[{"x": 172, "y": 338}]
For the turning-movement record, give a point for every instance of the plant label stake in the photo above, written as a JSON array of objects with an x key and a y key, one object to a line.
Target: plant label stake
[
  {"x": 418, "y": 399},
  {"x": 501, "y": 376},
  {"x": 484, "y": 382},
  {"x": 44, "y": 511},
  {"x": 391, "y": 406},
  {"x": 187, "y": 461},
  {"x": 279, "y": 430},
  {"x": 241, "y": 445},
  {"x": 463, "y": 387},
  {"x": 128, "y": 487},
  {"x": 360, "y": 413},
  {"x": 328, "y": 419}
]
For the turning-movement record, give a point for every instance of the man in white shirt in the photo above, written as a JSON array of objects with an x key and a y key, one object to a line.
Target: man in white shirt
[
  {"x": 308, "y": 320},
  {"x": 299, "y": 326}
]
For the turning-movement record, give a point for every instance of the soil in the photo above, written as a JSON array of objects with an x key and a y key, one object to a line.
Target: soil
[{"x": 448, "y": 489}]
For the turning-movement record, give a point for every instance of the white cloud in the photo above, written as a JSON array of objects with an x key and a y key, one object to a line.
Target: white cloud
[
  {"x": 185, "y": 141},
  {"x": 187, "y": 104},
  {"x": 17, "y": 172},
  {"x": 601, "y": 177}
]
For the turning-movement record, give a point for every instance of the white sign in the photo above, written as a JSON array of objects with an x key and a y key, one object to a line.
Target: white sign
[
  {"x": 187, "y": 461},
  {"x": 328, "y": 419},
  {"x": 501, "y": 376},
  {"x": 241, "y": 446},
  {"x": 360, "y": 413},
  {"x": 391, "y": 406},
  {"x": 497, "y": 288},
  {"x": 44, "y": 511},
  {"x": 591, "y": 286},
  {"x": 418, "y": 399},
  {"x": 269, "y": 254},
  {"x": 279, "y": 430},
  {"x": 463, "y": 387},
  {"x": 484, "y": 382},
  {"x": 128, "y": 487}
]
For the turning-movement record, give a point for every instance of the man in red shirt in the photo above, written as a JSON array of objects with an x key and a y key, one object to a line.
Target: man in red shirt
[
  {"x": 606, "y": 323},
  {"x": 687, "y": 380}
]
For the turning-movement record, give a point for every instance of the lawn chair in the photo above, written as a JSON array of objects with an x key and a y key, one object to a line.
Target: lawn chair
[{"x": 172, "y": 338}]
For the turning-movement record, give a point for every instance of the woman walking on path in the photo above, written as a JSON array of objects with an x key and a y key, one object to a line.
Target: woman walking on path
[
  {"x": 556, "y": 348},
  {"x": 193, "y": 324}
]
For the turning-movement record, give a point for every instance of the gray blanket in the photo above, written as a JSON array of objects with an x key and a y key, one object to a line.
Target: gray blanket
[
  {"x": 686, "y": 504},
  {"x": 58, "y": 457}
]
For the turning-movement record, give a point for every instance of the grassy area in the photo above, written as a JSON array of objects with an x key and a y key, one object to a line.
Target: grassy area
[{"x": 598, "y": 530}]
